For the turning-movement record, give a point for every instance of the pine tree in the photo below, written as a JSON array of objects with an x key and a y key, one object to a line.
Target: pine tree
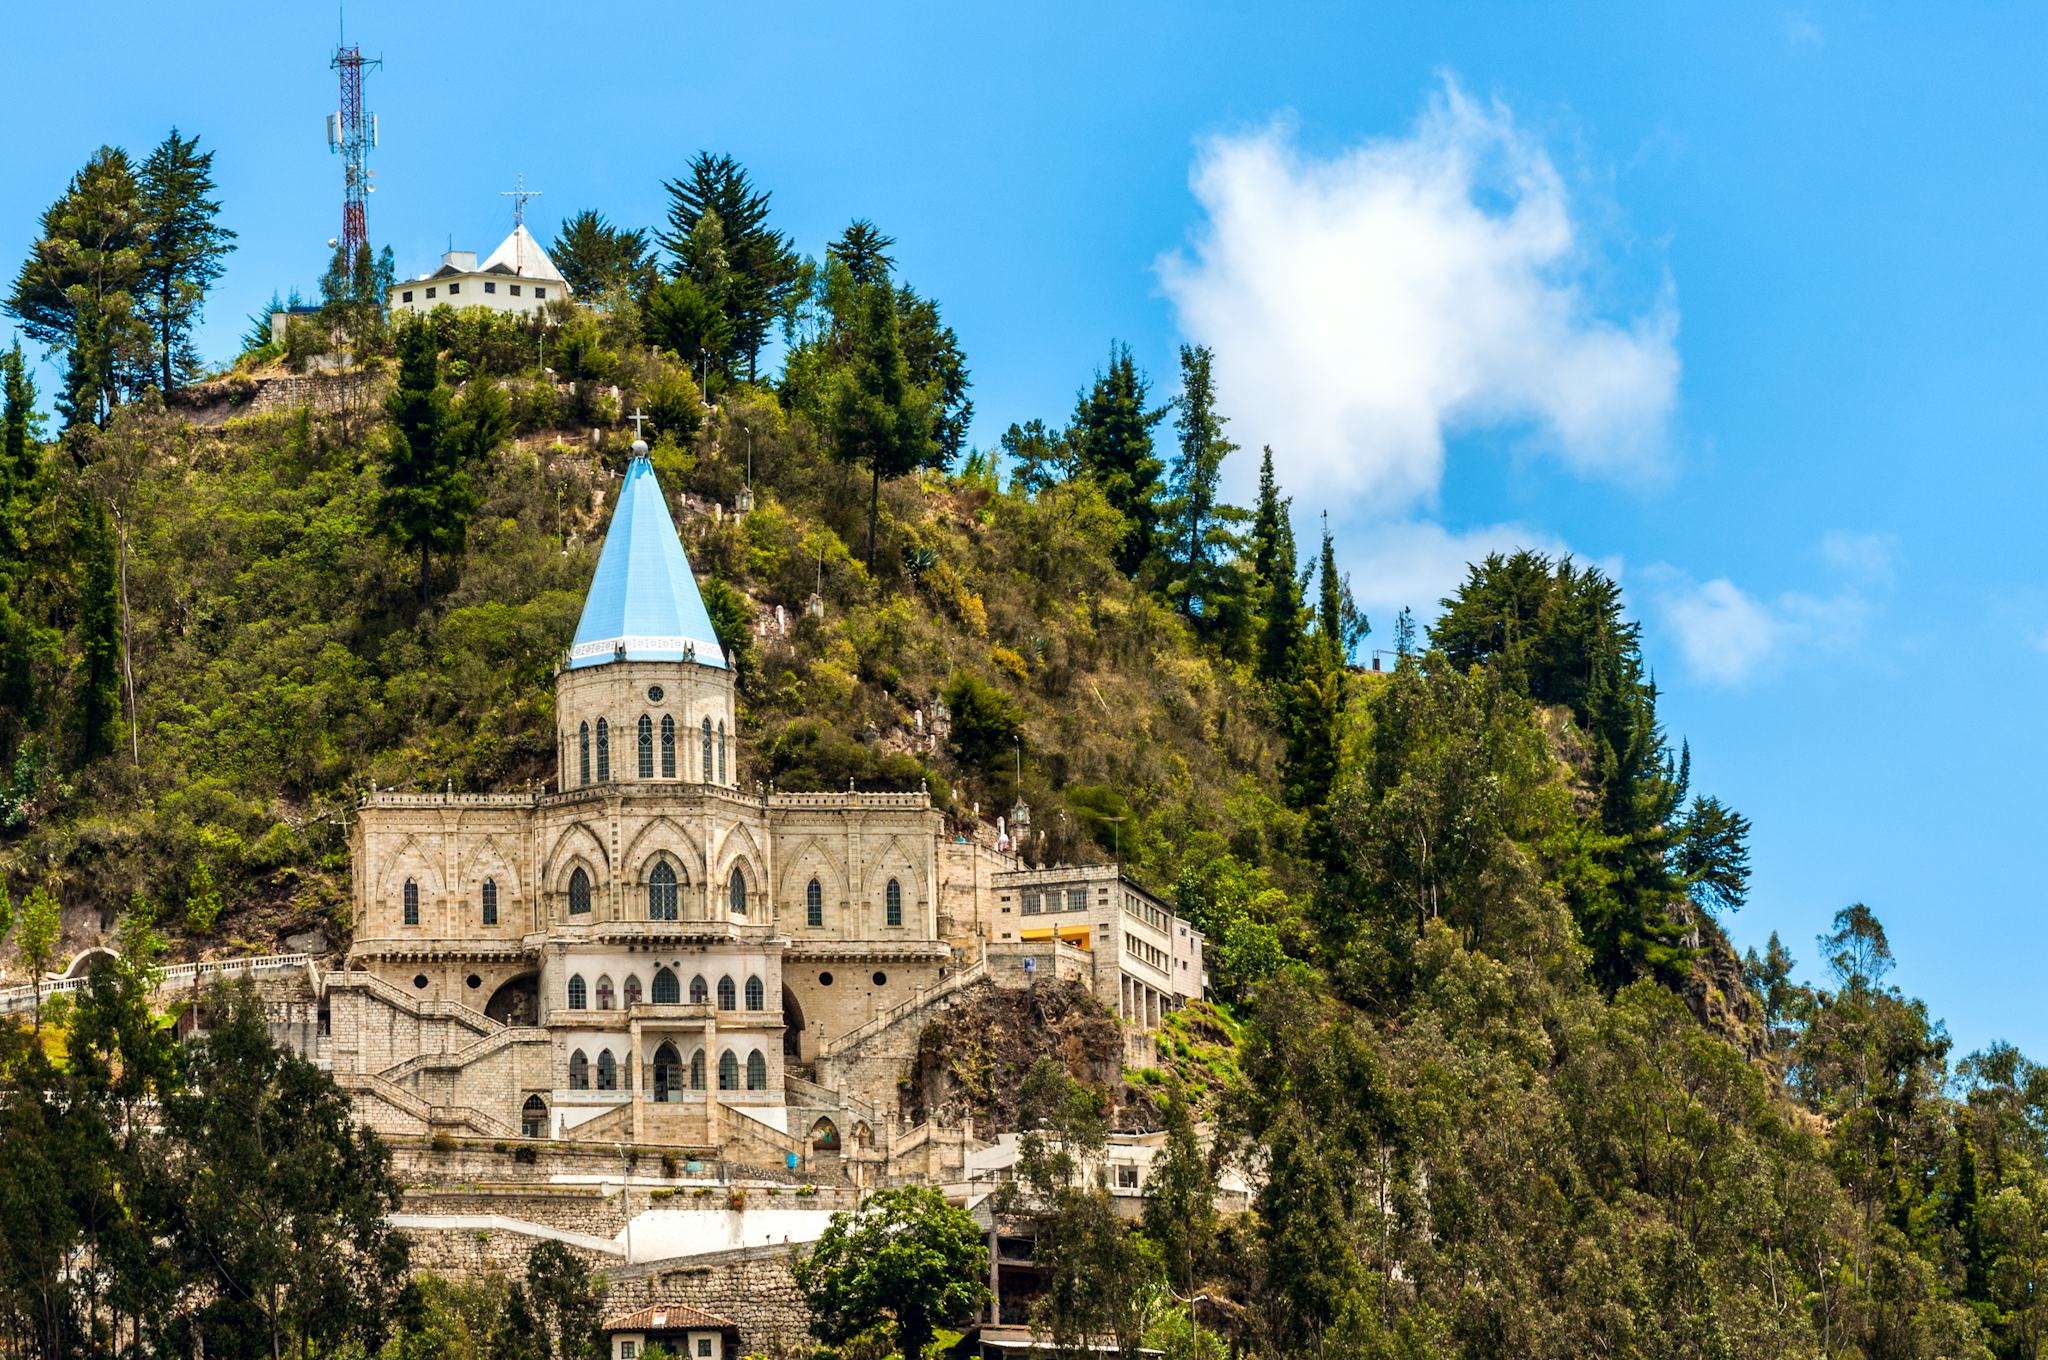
[
  {"x": 880, "y": 418},
  {"x": 864, "y": 250},
  {"x": 597, "y": 259},
  {"x": 20, "y": 457},
  {"x": 1191, "y": 483},
  {"x": 1038, "y": 457},
  {"x": 184, "y": 252},
  {"x": 1277, "y": 573},
  {"x": 97, "y": 705},
  {"x": 1112, "y": 439},
  {"x": 762, "y": 265},
  {"x": 76, "y": 292},
  {"x": 428, "y": 495},
  {"x": 936, "y": 362}
]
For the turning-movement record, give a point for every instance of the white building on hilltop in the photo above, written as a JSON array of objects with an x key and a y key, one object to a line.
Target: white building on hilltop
[{"x": 518, "y": 278}]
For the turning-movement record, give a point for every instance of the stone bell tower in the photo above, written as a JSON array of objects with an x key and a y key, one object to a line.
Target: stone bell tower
[{"x": 644, "y": 691}]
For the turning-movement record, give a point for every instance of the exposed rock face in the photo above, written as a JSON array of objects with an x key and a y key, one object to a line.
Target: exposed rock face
[{"x": 971, "y": 1059}]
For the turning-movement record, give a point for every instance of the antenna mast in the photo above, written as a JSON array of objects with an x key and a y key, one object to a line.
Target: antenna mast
[{"x": 352, "y": 134}]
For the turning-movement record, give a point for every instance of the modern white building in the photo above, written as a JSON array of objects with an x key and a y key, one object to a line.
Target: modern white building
[{"x": 517, "y": 278}]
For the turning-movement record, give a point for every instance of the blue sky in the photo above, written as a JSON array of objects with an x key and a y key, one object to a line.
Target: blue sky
[{"x": 1743, "y": 301}]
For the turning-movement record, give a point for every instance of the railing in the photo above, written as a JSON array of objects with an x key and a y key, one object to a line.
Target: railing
[
  {"x": 924, "y": 996},
  {"x": 22, "y": 998}
]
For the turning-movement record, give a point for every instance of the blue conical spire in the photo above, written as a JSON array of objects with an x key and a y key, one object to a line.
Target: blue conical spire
[{"x": 643, "y": 603}]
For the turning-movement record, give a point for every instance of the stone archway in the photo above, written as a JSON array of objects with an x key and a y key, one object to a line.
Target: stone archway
[
  {"x": 825, "y": 1138},
  {"x": 792, "y": 1025},
  {"x": 516, "y": 1002},
  {"x": 668, "y": 1073}
]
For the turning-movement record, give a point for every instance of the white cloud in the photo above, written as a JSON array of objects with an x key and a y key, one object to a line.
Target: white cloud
[
  {"x": 1802, "y": 31},
  {"x": 1366, "y": 306},
  {"x": 1727, "y": 635}
]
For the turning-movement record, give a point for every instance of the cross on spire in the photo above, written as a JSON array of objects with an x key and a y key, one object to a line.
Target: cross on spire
[
  {"x": 519, "y": 196},
  {"x": 636, "y": 418}
]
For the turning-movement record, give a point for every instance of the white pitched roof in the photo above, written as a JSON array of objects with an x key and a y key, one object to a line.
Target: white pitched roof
[{"x": 520, "y": 254}]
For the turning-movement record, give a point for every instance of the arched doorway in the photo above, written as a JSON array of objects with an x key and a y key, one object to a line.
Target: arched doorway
[
  {"x": 668, "y": 1073},
  {"x": 516, "y": 1002},
  {"x": 792, "y": 1026},
  {"x": 533, "y": 1118},
  {"x": 825, "y": 1138}
]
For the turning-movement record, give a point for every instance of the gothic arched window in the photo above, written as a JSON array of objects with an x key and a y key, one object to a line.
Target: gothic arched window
[
  {"x": 728, "y": 1071},
  {"x": 668, "y": 746},
  {"x": 490, "y": 901},
  {"x": 757, "y": 1071},
  {"x": 579, "y": 997},
  {"x": 631, "y": 994},
  {"x": 646, "y": 747},
  {"x": 583, "y": 746},
  {"x": 893, "y": 903},
  {"x": 604, "y": 992},
  {"x": 721, "y": 751},
  {"x": 604, "y": 750},
  {"x": 737, "y": 890},
  {"x": 726, "y": 994},
  {"x": 665, "y": 991},
  {"x": 756, "y": 995},
  {"x": 697, "y": 1070},
  {"x": 579, "y": 892},
  {"x": 814, "y": 904},
  {"x": 700, "y": 991},
  {"x": 579, "y": 1071},
  {"x": 704, "y": 770},
  {"x": 661, "y": 893},
  {"x": 607, "y": 1071},
  {"x": 412, "y": 902}
]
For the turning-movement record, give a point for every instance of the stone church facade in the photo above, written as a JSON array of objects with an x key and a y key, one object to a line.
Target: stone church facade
[{"x": 653, "y": 951}]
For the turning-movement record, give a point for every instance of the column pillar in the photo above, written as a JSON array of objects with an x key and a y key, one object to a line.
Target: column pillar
[{"x": 638, "y": 1085}]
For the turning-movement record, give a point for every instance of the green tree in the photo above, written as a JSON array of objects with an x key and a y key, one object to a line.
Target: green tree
[
  {"x": 97, "y": 705},
  {"x": 434, "y": 445},
  {"x": 685, "y": 320},
  {"x": 1112, "y": 440},
  {"x": 879, "y": 417},
  {"x": 76, "y": 293},
  {"x": 598, "y": 260},
  {"x": 184, "y": 254},
  {"x": 904, "y": 1256},
  {"x": 1191, "y": 521},
  {"x": 37, "y": 938},
  {"x": 759, "y": 267},
  {"x": 1180, "y": 1201},
  {"x": 1096, "y": 1281},
  {"x": 987, "y": 723},
  {"x": 566, "y": 1302},
  {"x": 1275, "y": 571},
  {"x": 864, "y": 250},
  {"x": 1038, "y": 457},
  {"x": 281, "y": 1220},
  {"x": 202, "y": 905},
  {"x": 936, "y": 364}
]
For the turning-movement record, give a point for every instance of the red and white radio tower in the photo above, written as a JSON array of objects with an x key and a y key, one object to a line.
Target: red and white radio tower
[{"x": 352, "y": 134}]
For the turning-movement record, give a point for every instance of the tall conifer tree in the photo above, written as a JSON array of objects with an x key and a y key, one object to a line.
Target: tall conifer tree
[
  {"x": 1192, "y": 482},
  {"x": 184, "y": 252},
  {"x": 98, "y": 702},
  {"x": 879, "y": 416},
  {"x": 762, "y": 264},
  {"x": 76, "y": 292},
  {"x": 1112, "y": 439}
]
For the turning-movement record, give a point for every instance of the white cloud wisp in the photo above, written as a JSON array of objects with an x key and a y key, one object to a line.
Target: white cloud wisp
[{"x": 1364, "y": 307}]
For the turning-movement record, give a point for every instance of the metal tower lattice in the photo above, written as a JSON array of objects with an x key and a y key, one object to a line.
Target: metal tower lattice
[{"x": 352, "y": 134}]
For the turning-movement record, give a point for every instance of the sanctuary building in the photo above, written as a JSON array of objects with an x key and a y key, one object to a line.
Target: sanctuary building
[{"x": 655, "y": 951}]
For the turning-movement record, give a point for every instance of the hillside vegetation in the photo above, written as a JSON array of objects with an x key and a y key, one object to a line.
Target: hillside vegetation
[{"x": 1501, "y": 1083}]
